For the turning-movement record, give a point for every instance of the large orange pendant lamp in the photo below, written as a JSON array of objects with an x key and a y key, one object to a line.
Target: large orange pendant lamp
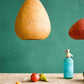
[
  {"x": 32, "y": 21},
  {"x": 77, "y": 30}
]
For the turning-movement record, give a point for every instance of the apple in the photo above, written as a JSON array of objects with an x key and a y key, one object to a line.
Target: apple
[{"x": 35, "y": 77}]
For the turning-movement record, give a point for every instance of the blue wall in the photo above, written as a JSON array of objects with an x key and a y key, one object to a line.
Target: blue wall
[{"x": 40, "y": 55}]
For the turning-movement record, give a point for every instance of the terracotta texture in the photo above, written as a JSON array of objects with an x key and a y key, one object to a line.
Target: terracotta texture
[
  {"x": 77, "y": 30},
  {"x": 32, "y": 21}
]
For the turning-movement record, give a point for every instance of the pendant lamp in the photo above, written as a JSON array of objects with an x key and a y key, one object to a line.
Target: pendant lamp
[
  {"x": 77, "y": 30},
  {"x": 32, "y": 21}
]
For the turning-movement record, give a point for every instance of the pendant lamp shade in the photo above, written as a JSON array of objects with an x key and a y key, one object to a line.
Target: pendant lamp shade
[
  {"x": 32, "y": 21},
  {"x": 77, "y": 30}
]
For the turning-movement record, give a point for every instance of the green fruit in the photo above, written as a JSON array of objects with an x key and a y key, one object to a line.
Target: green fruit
[{"x": 43, "y": 78}]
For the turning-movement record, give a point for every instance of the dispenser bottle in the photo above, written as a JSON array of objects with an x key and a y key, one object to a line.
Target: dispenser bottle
[{"x": 68, "y": 65}]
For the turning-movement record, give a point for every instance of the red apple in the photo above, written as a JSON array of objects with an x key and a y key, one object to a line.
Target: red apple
[
  {"x": 35, "y": 77},
  {"x": 77, "y": 30}
]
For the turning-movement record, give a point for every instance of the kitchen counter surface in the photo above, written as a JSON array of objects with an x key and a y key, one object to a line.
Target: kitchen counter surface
[{"x": 54, "y": 78}]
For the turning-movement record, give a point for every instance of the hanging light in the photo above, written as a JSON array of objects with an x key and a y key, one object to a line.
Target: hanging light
[
  {"x": 77, "y": 30},
  {"x": 32, "y": 21}
]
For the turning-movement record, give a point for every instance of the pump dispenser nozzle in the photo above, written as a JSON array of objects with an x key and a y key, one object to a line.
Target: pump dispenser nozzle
[{"x": 68, "y": 53}]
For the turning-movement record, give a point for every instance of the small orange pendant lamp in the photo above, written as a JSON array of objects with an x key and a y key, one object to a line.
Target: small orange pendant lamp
[
  {"x": 77, "y": 30},
  {"x": 32, "y": 21}
]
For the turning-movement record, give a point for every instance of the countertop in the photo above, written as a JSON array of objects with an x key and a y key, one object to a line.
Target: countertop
[{"x": 54, "y": 78}]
